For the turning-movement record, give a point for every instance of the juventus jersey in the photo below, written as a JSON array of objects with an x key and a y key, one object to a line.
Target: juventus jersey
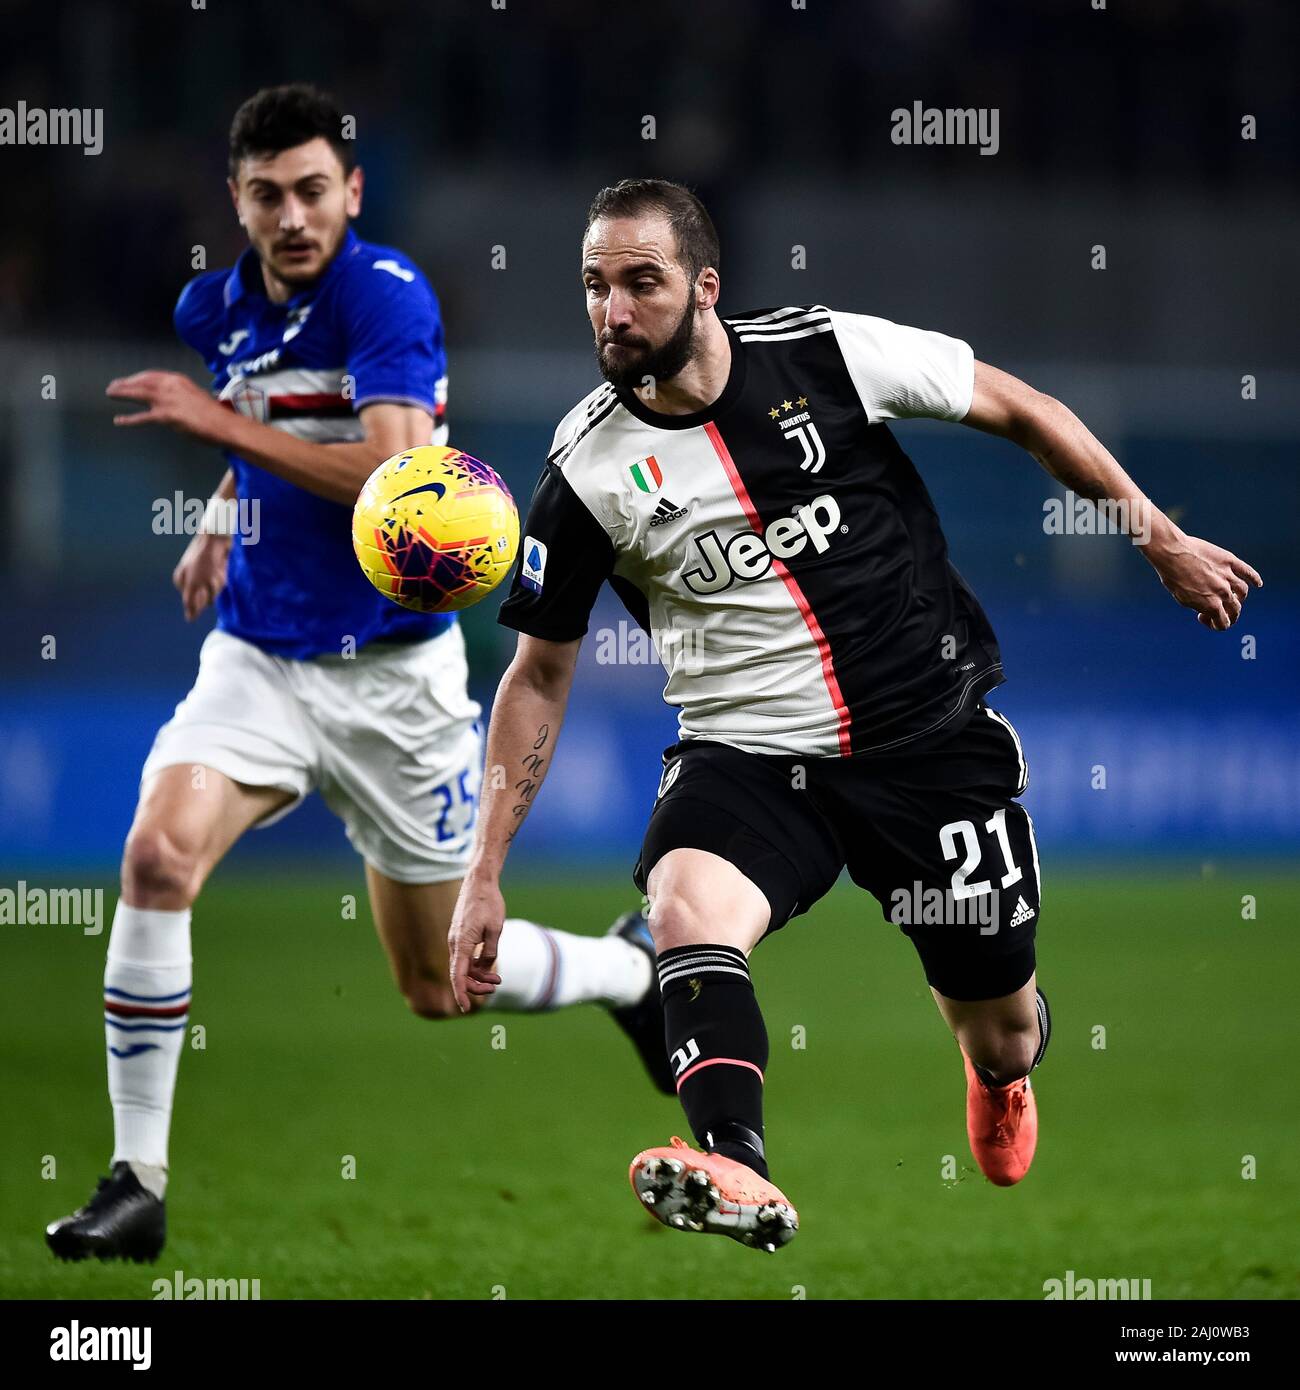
[{"x": 779, "y": 545}]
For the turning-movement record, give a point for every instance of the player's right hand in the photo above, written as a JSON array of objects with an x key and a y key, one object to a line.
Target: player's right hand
[
  {"x": 201, "y": 574},
  {"x": 1206, "y": 578},
  {"x": 472, "y": 941}
]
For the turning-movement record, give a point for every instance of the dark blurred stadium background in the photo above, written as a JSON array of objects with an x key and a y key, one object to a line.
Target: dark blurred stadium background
[{"x": 482, "y": 128}]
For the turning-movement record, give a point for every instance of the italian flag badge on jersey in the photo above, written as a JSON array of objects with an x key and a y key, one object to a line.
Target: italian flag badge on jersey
[{"x": 646, "y": 474}]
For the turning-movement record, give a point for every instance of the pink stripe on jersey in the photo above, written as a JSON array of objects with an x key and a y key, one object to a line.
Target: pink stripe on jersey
[
  {"x": 796, "y": 593},
  {"x": 716, "y": 1062}
]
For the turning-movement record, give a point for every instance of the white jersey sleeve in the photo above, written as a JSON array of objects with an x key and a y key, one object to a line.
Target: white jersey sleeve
[{"x": 903, "y": 373}]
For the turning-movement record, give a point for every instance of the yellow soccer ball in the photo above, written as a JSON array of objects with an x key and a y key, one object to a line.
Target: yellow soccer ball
[{"x": 434, "y": 529}]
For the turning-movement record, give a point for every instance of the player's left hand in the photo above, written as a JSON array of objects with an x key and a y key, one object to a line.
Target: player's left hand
[
  {"x": 1205, "y": 577},
  {"x": 172, "y": 399},
  {"x": 472, "y": 941}
]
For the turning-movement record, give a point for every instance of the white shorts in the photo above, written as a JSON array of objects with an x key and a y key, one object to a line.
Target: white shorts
[{"x": 390, "y": 738}]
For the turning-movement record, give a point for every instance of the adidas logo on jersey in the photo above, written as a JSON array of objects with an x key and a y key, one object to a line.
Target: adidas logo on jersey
[
  {"x": 750, "y": 556},
  {"x": 1022, "y": 913},
  {"x": 666, "y": 512}
]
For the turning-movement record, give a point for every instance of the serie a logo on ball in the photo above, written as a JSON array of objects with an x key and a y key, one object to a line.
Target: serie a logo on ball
[{"x": 434, "y": 529}]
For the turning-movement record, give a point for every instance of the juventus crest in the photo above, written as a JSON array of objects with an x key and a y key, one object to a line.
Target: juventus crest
[{"x": 801, "y": 429}]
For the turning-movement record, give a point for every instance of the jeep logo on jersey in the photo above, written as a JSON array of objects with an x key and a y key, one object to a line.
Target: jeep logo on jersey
[{"x": 750, "y": 556}]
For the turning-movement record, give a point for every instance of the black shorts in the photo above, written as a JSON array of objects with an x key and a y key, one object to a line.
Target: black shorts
[{"x": 934, "y": 833}]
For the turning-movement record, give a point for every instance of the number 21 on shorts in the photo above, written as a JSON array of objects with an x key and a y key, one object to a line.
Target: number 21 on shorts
[{"x": 965, "y": 831}]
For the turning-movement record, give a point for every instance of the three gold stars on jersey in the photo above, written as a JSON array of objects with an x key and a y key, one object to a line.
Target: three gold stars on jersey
[{"x": 787, "y": 406}]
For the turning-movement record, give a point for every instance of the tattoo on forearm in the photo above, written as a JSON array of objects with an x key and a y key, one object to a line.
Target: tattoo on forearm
[
  {"x": 1091, "y": 489},
  {"x": 533, "y": 766},
  {"x": 1072, "y": 456}
]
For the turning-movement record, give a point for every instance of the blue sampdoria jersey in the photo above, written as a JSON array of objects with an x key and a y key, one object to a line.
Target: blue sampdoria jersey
[{"x": 368, "y": 330}]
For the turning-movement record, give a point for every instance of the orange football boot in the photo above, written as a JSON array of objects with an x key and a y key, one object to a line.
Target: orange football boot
[
  {"x": 1002, "y": 1124},
  {"x": 693, "y": 1191}
]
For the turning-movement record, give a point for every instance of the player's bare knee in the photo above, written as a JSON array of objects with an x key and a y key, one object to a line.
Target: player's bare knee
[
  {"x": 697, "y": 897},
  {"x": 677, "y": 915},
  {"x": 674, "y": 920},
  {"x": 158, "y": 870},
  {"x": 431, "y": 999}
]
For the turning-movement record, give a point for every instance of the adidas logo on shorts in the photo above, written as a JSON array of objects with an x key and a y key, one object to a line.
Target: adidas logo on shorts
[
  {"x": 1022, "y": 913},
  {"x": 666, "y": 512}
]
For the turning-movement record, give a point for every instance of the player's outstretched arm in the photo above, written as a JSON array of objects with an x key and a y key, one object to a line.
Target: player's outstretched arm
[
  {"x": 526, "y": 718},
  {"x": 1200, "y": 575},
  {"x": 334, "y": 471}
]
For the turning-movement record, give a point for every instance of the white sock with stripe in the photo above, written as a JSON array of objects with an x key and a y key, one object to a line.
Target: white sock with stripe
[
  {"x": 541, "y": 968},
  {"x": 147, "y": 979}
]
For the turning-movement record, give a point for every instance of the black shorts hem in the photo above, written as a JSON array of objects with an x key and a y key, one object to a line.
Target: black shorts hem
[
  {"x": 732, "y": 839},
  {"x": 970, "y": 978}
]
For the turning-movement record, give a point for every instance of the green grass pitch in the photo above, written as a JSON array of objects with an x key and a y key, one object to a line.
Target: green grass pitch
[{"x": 487, "y": 1171}]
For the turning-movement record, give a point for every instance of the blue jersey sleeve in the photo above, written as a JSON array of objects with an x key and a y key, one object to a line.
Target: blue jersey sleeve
[
  {"x": 393, "y": 331},
  {"x": 197, "y": 316}
]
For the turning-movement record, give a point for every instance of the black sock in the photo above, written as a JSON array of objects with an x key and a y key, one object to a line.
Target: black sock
[
  {"x": 718, "y": 1047},
  {"x": 1044, "y": 1029}
]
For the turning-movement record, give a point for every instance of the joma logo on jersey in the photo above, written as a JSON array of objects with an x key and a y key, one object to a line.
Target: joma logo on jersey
[
  {"x": 231, "y": 343},
  {"x": 750, "y": 555}
]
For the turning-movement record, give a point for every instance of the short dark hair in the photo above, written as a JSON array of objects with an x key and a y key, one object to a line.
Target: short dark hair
[
  {"x": 278, "y": 118},
  {"x": 697, "y": 238}
]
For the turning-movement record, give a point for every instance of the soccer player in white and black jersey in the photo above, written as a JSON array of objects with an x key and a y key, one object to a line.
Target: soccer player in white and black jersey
[{"x": 736, "y": 483}]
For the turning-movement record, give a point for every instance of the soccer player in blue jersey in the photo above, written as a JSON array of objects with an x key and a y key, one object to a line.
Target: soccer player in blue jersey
[{"x": 327, "y": 358}]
